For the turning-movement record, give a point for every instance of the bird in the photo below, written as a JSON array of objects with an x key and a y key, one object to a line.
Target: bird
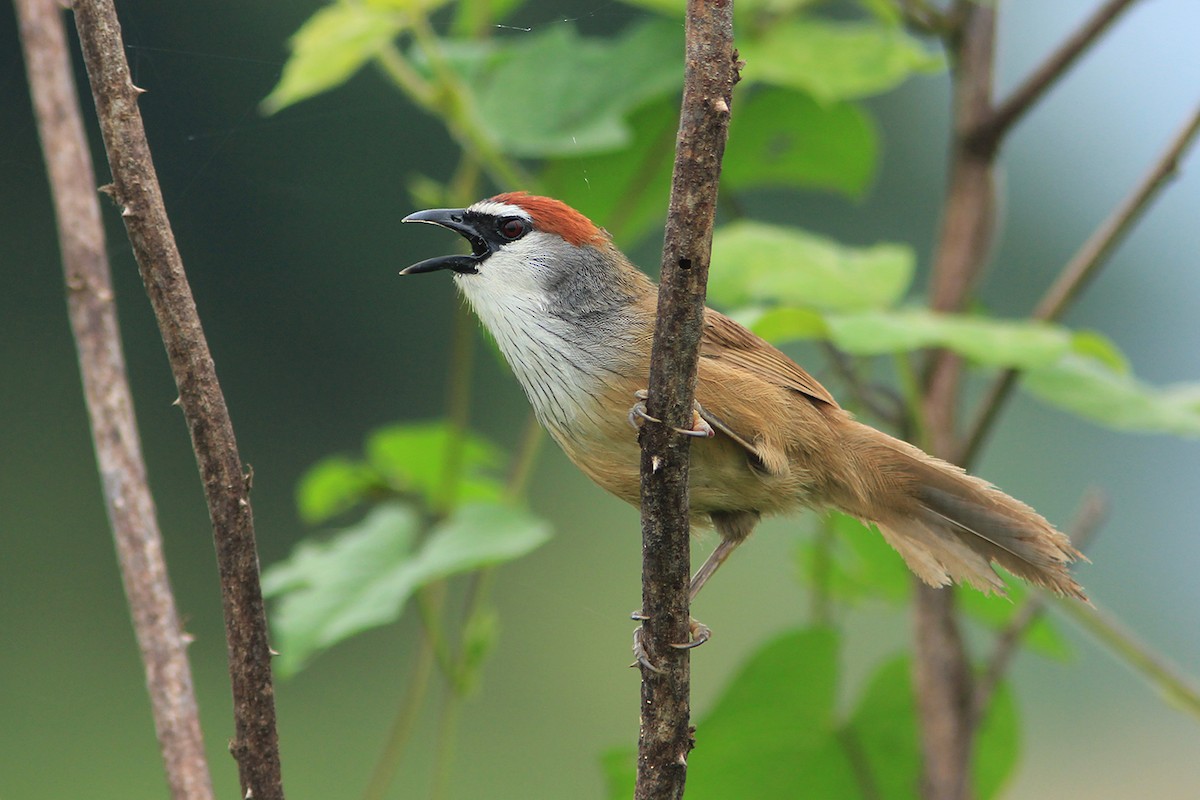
[{"x": 574, "y": 319}]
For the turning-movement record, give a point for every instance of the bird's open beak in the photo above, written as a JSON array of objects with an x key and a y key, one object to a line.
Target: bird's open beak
[{"x": 456, "y": 220}]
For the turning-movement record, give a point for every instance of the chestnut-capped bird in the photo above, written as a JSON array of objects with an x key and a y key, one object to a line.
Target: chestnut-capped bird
[{"x": 574, "y": 319}]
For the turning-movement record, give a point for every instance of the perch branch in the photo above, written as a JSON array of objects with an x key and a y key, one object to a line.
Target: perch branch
[
  {"x": 710, "y": 73},
  {"x": 226, "y": 487},
  {"x": 93, "y": 315}
]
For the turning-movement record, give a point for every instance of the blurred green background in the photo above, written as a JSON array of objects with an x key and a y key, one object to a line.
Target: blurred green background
[{"x": 289, "y": 231}]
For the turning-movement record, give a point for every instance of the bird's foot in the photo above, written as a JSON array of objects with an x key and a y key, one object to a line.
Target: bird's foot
[
  {"x": 638, "y": 416},
  {"x": 698, "y": 634}
]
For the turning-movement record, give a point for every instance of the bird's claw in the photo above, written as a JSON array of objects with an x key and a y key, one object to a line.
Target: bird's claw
[
  {"x": 638, "y": 415},
  {"x": 698, "y": 634}
]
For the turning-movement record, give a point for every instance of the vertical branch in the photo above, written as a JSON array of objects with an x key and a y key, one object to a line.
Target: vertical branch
[
  {"x": 93, "y": 315},
  {"x": 710, "y": 73},
  {"x": 942, "y": 668},
  {"x": 135, "y": 188}
]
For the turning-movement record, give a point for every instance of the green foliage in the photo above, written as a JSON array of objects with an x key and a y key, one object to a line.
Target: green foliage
[
  {"x": 330, "y": 47},
  {"x": 415, "y": 460},
  {"x": 781, "y": 137},
  {"x": 835, "y": 60},
  {"x": 361, "y": 578},
  {"x": 555, "y": 94},
  {"x": 820, "y": 273},
  {"x": 776, "y": 732}
]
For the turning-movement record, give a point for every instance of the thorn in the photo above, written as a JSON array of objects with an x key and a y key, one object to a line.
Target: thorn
[
  {"x": 108, "y": 189},
  {"x": 136, "y": 89},
  {"x": 126, "y": 211},
  {"x": 243, "y": 502},
  {"x": 178, "y": 401},
  {"x": 272, "y": 651},
  {"x": 655, "y": 463},
  {"x": 721, "y": 106},
  {"x": 187, "y": 638}
]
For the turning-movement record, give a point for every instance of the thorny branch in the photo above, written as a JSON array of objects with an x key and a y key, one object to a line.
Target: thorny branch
[
  {"x": 226, "y": 487},
  {"x": 710, "y": 73},
  {"x": 92, "y": 311}
]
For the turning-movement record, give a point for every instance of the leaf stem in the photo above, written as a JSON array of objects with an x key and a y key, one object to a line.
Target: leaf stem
[{"x": 403, "y": 725}]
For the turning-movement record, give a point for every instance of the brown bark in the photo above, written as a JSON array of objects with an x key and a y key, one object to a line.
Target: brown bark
[
  {"x": 226, "y": 486},
  {"x": 93, "y": 316},
  {"x": 711, "y": 71}
]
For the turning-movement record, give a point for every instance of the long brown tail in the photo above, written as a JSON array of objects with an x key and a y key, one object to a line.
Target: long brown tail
[{"x": 951, "y": 526}]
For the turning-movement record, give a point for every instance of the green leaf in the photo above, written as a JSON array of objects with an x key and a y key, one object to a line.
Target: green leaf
[
  {"x": 330, "y": 47},
  {"x": 413, "y": 457},
  {"x": 1093, "y": 389},
  {"x": 997, "y": 745},
  {"x": 996, "y": 613},
  {"x": 883, "y": 728},
  {"x": 1002, "y": 343},
  {"x": 836, "y": 60},
  {"x": 754, "y": 262},
  {"x": 859, "y": 562},
  {"x": 333, "y": 485},
  {"x": 328, "y": 591},
  {"x": 779, "y": 137},
  {"x": 628, "y": 188},
  {"x": 555, "y": 93},
  {"x": 771, "y": 733}
]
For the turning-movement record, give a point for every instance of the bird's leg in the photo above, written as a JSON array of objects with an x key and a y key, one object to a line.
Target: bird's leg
[
  {"x": 698, "y": 634},
  {"x": 638, "y": 416}
]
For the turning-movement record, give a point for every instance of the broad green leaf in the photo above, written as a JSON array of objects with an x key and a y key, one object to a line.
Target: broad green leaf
[
  {"x": 413, "y": 457},
  {"x": 1093, "y": 389},
  {"x": 628, "y": 188},
  {"x": 783, "y": 324},
  {"x": 333, "y": 485},
  {"x": 858, "y": 563},
  {"x": 1003, "y": 343},
  {"x": 771, "y": 733},
  {"x": 883, "y": 728},
  {"x": 328, "y": 591},
  {"x": 836, "y": 60},
  {"x": 996, "y": 612},
  {"x": 555, "y": 93},
  {"x": 997, "y": 745},
  {"x": 330, "y": 47},
  {"x": 780, "y": 137},
  {"x": 754, "y": 262}
]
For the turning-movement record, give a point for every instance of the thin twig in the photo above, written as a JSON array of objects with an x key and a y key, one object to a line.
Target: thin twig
[
  {"x": 991, "y": 130},
  {"x": 710, "y": 73},
  {"x": 1088, "y": 519},
  {"x": 226, "y": 487},
  {"x": 1081, "y": 269},
  {"x": 1165, "y": 676},
  {"x": 92, "y": 310}
]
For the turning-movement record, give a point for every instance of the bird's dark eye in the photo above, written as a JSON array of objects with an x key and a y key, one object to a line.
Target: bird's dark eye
[{"x": 513, "y": 228}]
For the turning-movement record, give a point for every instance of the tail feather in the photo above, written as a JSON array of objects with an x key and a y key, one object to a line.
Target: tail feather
[{"x": 951, "y": 526}]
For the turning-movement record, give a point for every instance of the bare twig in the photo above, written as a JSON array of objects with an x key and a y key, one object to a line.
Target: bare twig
[
  {"x": 1165, "y": 676},
  {"x": 992, "y": 129},
  {"x": 135, "y": 188},
  {"x": 1080, "y": 270},
  {"x": 710, "y": 73},
  {"x": 92, "y": 310},
  {"x": 1092, "y": 512},
  {"x": 942, "y": 670}
]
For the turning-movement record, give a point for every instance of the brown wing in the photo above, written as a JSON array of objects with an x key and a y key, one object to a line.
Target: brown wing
[{"x": 727, "y": 341}]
